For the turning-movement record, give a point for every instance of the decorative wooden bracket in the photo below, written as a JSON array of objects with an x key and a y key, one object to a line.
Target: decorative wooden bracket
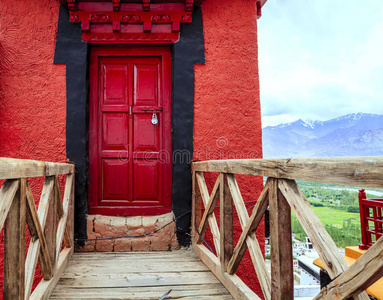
[
  {"x": 119, "y": 21},
  {"x": 116, "y": 5}
]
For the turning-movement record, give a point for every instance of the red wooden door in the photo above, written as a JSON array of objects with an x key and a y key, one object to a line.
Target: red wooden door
[{"x": 130, "y": 166}]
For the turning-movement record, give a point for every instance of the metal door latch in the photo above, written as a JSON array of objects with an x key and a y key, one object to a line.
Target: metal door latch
[{"x": 154, "y": 119}]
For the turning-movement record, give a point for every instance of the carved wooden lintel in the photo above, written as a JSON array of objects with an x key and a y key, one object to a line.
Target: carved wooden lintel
[{"x": 98, "y": 23}]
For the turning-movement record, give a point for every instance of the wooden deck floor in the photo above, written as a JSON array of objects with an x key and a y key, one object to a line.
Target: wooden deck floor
[{"x": 138, "y": 275}]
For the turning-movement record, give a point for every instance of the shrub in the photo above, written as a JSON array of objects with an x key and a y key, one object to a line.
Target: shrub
[
  {"x": 353, "y": 209},
  {"x": 316, "y": 203}
]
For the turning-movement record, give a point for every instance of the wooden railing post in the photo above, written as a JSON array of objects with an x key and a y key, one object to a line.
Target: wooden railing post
[
  {"x": 14, "y": 247},
  {"x": 196, "y": 210},
  {"x": 282, "y": 273},
  {"x": 226, "y": 222},
  {"x": 363, "y": 220},
  {"x": 51, "y": 226}
]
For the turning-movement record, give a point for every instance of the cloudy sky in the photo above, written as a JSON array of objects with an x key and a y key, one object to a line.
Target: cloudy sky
[{"x": 320, "y": 59}]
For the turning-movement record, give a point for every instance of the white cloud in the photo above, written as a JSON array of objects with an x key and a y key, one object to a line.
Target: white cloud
[{"x": 320, "y": 59}]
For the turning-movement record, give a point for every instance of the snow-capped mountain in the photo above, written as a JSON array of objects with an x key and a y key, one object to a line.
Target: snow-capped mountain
[{"x": 357, "y": 134}]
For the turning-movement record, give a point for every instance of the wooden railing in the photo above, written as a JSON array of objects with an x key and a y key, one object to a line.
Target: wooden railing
[
  {"x": 281, "y": 194},
  {"x": 49, "y": 226},
  {"x": 371, "y": 211}
]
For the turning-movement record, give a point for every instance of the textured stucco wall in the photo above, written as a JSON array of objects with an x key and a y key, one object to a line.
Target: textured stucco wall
[
  {"x": 227, "y": 120},
  {"x": 227, "y": 108},
  {"x": 32, "y": 88}
]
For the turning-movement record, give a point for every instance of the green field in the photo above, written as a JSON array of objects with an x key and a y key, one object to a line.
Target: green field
[
  {"x": 335, "y": 217},
  {"x": 333, "y": 209}
]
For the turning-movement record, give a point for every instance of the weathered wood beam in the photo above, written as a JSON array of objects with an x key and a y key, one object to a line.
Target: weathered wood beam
[
  {"x": 212, "y": 219},
  {"x": 362, "y": 273},
  {"x": 7, "y": 194},
  {"x": 282, "y": 272},
  {"x": 69, "y": 230},
  {"x": 251, "y": 241},
  {"x": 62, "y": 225},
  {"x": 45, "y": 287},
  {"x": 36, "y": 231},
  {"x": 226, "y": 222},
  {"x": 209, "y": 209},
  {"x": 11, "y": 168},
  {"x": 34, "y": 246},
  {"x": 50, "y": 229},
  {"x": 233, "y": 283},
  {"x": 359, "y": 171},
  {"x": 14, "y": 247},
  {"x": 196, "y": 208},
  {"x": 60, "y": 209},
  {"x": 251, "y": 226},
  {"x": 321, "y": 240}
]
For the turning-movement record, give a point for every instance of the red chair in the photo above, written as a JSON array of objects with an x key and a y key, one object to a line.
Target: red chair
[{"x": 371, "y": 219}]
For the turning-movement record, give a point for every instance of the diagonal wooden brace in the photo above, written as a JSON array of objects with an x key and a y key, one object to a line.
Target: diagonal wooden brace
[
  {"x": 209, "y": 209},
  {"x": 255, "y": 218}
]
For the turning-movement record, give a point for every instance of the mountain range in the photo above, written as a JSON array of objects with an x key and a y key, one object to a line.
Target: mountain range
[{"x": 358, "y": 134}]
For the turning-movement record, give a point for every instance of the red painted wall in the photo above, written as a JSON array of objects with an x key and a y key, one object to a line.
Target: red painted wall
[
  {"x": 32, "y": 88},
  {"x": 227, "y": 104}
]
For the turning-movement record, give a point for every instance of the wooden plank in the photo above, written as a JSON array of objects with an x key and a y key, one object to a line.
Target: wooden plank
[
  {"x": 282, "y": 272},
  {"x": 212, "y": 219},
  {"x": 60, "y": 208},
  {"x": 50, "y": 228},
  {"x": 14, "y": 247},
  {"x": 11, "y": 168},
  {"x": 179, "y": 292},
  {"x": 69, "y": 230},
  {"x": 321, "y": 240},
  {"x": 361, "y": 274},
  {"x": 209, "y": 209},
  {"x": 196, "y": 208},
  {"x": 136, "y": 279},
  {"x": 119, "y": 267},
  {"x": 233, "y": 283},
  {"x": 133, "y": 255},
  {"x": 250, "y": 228},
  {"x": 138, "y": 275},
  {"x": 251, "y": 241},
  {"x": 62, "y": 225},
  {"x": 226, "y": 222},
  {"x": 34, "y": 246},
  {"x": 45, "y": 287},
  {"x": 7, "y": 194},
  {"x": 35, "y": 227},
  {"x": 359, "y": 171},
  {"x": 146, "y": 295}
]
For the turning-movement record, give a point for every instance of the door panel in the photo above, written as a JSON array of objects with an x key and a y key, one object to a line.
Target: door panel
[
  {"x": 147, "y": 140},
  {"x": 114, "y": 84},
  {"x": 114, "y": 177},
  {"x": 146, "y": 85},
  {"x": 113, "y": 138},
  {"x": 146, "y": 186},
  {"x": 126, "y": 175}
]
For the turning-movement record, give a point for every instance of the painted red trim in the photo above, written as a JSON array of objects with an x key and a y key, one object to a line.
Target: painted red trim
[
  {"x": 126, "y": 22},
  {"x": 145, "y": 2},
  {"x": 142, "y": 207}
]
